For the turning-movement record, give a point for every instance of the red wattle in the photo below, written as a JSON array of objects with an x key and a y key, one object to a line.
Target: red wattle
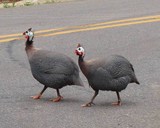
[{"x": 76, "y": 52}]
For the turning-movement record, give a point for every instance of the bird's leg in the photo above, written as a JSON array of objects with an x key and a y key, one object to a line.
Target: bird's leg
[
  {"x": 40, "y": 94},
  {"x": 59, "y": 97},
  {"x": 91, "y": 102},
  {"x": 118, "y": 103}
]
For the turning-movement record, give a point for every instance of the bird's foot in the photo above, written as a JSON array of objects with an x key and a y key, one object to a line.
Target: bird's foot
[
  {"x": 36, "y": 97},
  {"x": 88, "y": 104},
  {"x": 117, "y": 103},
  {"x": 59, "y": 98}
]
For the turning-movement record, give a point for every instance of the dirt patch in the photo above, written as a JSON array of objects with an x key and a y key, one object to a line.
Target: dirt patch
[{"x": 8, "y": 1}]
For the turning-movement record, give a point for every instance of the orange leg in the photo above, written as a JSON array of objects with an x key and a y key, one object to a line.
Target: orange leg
[
  {"x": 40, "y": 94},
  {"x": 36, "y": 97},
  {"x": 91, "y": 102},
  {"x": 59, "y": 97},
  {"x": 118, "y": 103}
]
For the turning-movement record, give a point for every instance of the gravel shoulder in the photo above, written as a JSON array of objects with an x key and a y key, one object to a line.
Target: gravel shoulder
[{"x": 31, "y": 2}]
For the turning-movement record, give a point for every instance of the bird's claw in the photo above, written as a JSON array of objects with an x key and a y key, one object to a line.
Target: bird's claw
[
  {"x": 36, "y": 97},
  {"x": 88, "y": 104},
  {"x": 59, "y": 98},
  {"x": 117, "y": 103}
]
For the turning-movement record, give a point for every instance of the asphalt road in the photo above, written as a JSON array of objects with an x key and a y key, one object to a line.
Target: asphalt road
[{"x": 140, "y": 43}]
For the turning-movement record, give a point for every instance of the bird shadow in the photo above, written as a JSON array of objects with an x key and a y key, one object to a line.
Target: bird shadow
[
  {"x": 125, "y": 104},
  {"x": 71, "y": 100},
  {"x": 63, "y": 101}
]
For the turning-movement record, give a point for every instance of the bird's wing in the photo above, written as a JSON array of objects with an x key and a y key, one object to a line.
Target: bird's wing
[
  {"x": 50, "y": 63},
  {"x": 100, "y": 77},
  {"x": 107, "y": 82}
]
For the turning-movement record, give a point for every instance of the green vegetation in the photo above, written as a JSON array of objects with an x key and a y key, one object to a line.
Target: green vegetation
[
  {"x": 9, "y": 5},
  {"x": 28, "y": 3},
  {"x": 6, "y": 5},
  {"x": 13, "y": 3},
  {"x": 16, "y": 3},
  {"x": 49, "y": 1}
]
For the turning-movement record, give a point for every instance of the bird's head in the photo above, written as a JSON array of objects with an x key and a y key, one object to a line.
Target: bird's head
[
  {"x": 29, "y": 35},
  {"x": 80, "y": 51}
]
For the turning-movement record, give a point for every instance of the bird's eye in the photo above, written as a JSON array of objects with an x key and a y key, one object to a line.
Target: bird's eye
[{"x": 79, "y": 48}]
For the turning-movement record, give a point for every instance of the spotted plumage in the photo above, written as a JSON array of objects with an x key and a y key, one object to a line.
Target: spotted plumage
[
  {"x": 112, "y": 73},
  {"x": 52, "y": 69}
]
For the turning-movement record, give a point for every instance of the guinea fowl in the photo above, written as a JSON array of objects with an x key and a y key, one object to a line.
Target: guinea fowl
[
  {"x": 112, "y": 74},
  {"x": 51, "y": 69}
]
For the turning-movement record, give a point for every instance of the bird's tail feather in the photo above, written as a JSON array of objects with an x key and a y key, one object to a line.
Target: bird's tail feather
[
  {"x": 136, "y": 81},
  {"x": 79, "y": 82}
]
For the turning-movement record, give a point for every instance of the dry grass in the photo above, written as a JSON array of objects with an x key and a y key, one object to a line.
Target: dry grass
[{"x": 30, "y": 3}]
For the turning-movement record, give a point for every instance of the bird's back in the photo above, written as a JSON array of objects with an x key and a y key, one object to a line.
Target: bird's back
[{"x": 112, "y": 73}]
